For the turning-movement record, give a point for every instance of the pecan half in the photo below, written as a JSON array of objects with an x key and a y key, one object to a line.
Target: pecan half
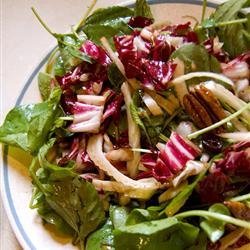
[
  {"x": 203, "y": 107},
  {"x": 238, "y": 209},
  {"x": 211, "y": 101},
  {"x": 196, "y": 111}
]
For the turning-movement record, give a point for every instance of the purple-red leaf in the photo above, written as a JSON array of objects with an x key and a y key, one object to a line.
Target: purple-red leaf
[
  {"x": 212, "y": 187},
  {"x": 236, "y": 160},
  {"x": 158, "y": 72},
  {"x": 161, "y": 172},
  {"x": 140, "y": 22},
  {"x": 113, "y": 109},
  {"x": 171, "y": 159},
  {"x": 162, "y": 49},
  {"x": 221, "y": 55},
  {"x": 145, "y": 61},
  {"x": 95, "y": 52}
]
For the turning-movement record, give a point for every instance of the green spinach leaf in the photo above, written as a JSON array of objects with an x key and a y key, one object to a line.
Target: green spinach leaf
[
  {"x": 196, "y": 58},
  {"x": 78, "y": 54},
  {"x": 28, "y": 126},
  {"x": 70, "y": 55},
  {"x": 55, "y": 171},
  {"x": 62, "y": 194},
  {"x": 58, "y": 67},
  {"x": 48, "y": 214},
  {"x": 109, "y": 16},
  {"x": 236, "y": 37},
  {"x": 166, "y": 233},
  {"x": 118, "y": 216},
  {"x": 107, "y": 23},
  {"x": 77, "y": 202},
  {"x": 229, "y": 10},
  {"x": 142, "y": 9},
  {"x": 154, "y": 126},
  {"x": 201, "y": 242},
  {"x": 96, "y": 31},
  {"x": 44, "y": 84},
  {"x": 102, "y": 238},
  {"x": 139, "y": 215},
  {"x": 69, "y": 60}
]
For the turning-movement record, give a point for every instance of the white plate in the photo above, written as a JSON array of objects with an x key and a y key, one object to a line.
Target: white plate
[{"x": 15, "y": 182}]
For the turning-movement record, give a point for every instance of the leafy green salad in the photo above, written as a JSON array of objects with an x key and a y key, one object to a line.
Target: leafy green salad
[{"x": 142, "y": 138}]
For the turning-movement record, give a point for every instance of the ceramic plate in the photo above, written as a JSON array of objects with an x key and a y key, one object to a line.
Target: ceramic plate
[{"x": 16, "y": 186}]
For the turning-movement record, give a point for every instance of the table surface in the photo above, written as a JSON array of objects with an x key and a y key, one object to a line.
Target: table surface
[{"x": 23, "y": 43}]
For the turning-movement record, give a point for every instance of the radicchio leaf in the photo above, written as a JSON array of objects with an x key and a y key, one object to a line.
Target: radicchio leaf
[
  {"x": 238, "y": 67},
  {"x": 70, "y": 78},
  {"x": 95, "y": 52},
  {"x": 145, "y": 61},
  {"x": 182, "y": 30},
  {"x": 161, "y": 172},
  {"x": 236, "y": 160},
  {"x": 74, "y": 148},
  {"x": 158, "y": 72},
  {"x": 76, "y": 151},
  {"x": 170, "y": 160},
  {"x": 156, "y": 167},
  {"x": 212, "y": 187},
  {"x": 162, "y": 49},
  {"x": 113, "y": 109},
  {"x": 219, "y": 54},
  {"x": 139, "y": 22}
]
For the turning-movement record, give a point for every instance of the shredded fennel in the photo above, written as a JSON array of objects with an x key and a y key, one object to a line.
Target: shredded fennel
[{"x": 216, "y": 76}]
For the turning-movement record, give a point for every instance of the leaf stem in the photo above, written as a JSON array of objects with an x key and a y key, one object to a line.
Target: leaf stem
[
  {"x": 32, "y": 170},
  {"x": 204, "y": 6},
  {"x": 221, "y": 24},
  {"x": 241, "y": 198},
  {"x": 218, "y": 124},
  {"x": 137, "y": 119},
  {"x": 176, "y": 112},
  {"x": 217, "y": 216},
  {"x": 75, "y": 33},
  {"x": 89, "y": 10},
  {"x": 82, "y": 247},
  {"x": 66, "y": 118},
  {"x": 42, "y": 22}
]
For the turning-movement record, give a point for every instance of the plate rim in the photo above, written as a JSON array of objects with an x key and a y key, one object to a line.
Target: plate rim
[{"x": 8, "y": 203}]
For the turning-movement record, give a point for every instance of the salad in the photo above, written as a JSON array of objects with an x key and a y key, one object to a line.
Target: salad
[{"x": 142, "y": 138}]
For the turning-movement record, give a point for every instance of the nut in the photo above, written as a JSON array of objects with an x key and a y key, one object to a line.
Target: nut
[
  {"x": 211, "y": 101},
  {"x": 238, "y": 209},
  {"x": 203, "y": 107},
  {"x": 197, "y": 112}
]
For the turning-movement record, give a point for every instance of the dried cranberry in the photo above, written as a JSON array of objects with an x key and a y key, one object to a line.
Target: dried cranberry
[{"x": 212, "y": 143}]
